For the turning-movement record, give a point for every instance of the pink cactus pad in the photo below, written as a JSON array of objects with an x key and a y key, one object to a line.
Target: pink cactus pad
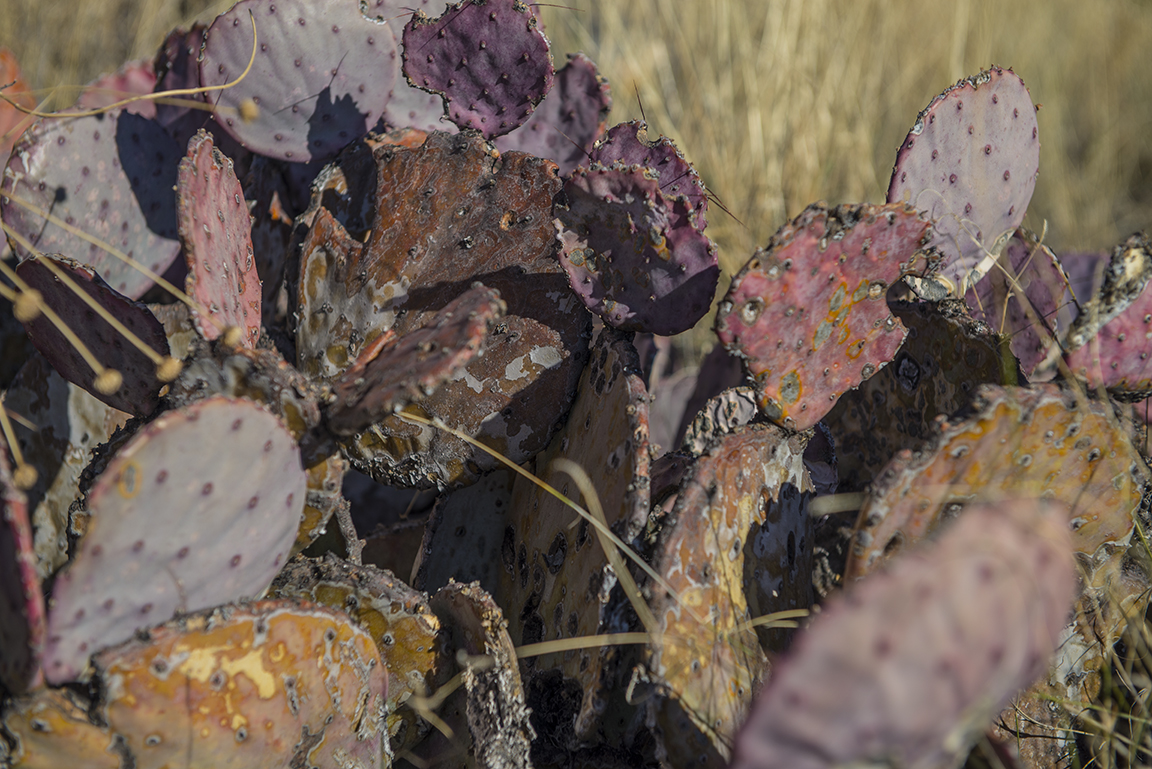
[
  {"x": 809, "y": 314},
  {"x": 216, "y": 231},
  {"x": 200, "y": 508}
]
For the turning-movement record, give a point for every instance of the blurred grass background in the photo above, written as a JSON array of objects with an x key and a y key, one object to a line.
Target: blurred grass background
[{"x": 780, "y": 103}]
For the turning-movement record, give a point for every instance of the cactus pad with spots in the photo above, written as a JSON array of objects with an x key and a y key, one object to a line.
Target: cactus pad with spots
[
  {"x": 178, "y": 530},
  {"x": 809, "y": 314}
]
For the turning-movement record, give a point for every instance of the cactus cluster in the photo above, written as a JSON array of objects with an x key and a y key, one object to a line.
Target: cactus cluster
[{"x": 340, "y": 441}]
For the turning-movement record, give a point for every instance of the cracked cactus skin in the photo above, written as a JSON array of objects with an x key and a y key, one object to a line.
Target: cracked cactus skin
[
  {"x": 110, "y": 175},
  {"x": 268, "y": 684},
  {"x": 407, "y": 634},
  {"x": 177, "y": 530},
  {"x": 632, "y": 253},
  {"x": 488, "y": 59},
  {"x": 911, "y": 664},
  {"x": 724, "y": 548},
  {"x": 139, "y": 393},
  {"x": 808, "y": 314},
  {"x": 446, "y": 213},
  {"x": 216, "y": 231},
  {"x": 50, "y": 729},
  {"x": 971, "y": 162},
  {"x": 556, "y": 579},
  {"x": 310, "y": 81}
]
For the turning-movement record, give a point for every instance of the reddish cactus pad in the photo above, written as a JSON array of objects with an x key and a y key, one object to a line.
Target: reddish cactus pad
[
  {"x": 487, "y": 58},
  {"x": 140, "y": 392},
  {"x": 110, "y": 175},
  {"x": 134, "y": 78},
  {"x": 568, "y": 122},
  {"x": 392, "y": 372},
  {"x": 13, "y": 121},
  {"x": 216, "y": 231},
  {"x": 199, "y": 509},
  {"x": 911, "y": 664},
  {"x": 809, "y": 314},
  {"x": 21, "y": 598},
  {"x": 632, "y": 254},
  {"x": 971, "y": 161},
  {"x": 321, "y": 78},
  {"x": 628, "y": 143},
  {"x": 273, "y": 683}
]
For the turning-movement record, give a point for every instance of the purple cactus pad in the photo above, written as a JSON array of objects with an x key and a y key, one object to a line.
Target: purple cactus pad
[
  {"x": 487, "y": 58},
  {"x": 632, "y": 254},
  {"x": 21, "y": 598}
]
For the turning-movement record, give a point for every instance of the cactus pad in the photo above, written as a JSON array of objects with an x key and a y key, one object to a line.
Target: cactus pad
[
  {"x": 320, "y": 80},
  {"x": 809, "y": 314},
  {"x": 216, "y": 231},
  {"x": 51, "y": 728},
  {"x": 971, "y": 161},
  {"x": 568, "y": 122},
  {"x": 735, "y": 547},
  {"x": 406, "y": 632},
  {"x": 134, "y": 78},
  {"x": 21, "y": 599},
  {"x": 139, "y": 393},
  {"x": 13, "y": 121},
  {"x": 556, "y": 578},
  {"x": 176, "y": 529},
  {"x": 1025, "y": 297},
  {"x": 1016, "y": 442},
  {"x": 263, "y": 684},
  {"x": 474, "y": 219},
  {"x": 487, "y": 58},
  {"x": 110, "y": 175},
  {"x": 946, "y": 356},
  {"x": 392, "y": 372},
  {"x": 911, "y": 665},
  {"x": 628, "y": 143},
  {"x": 632, "y": 254}
]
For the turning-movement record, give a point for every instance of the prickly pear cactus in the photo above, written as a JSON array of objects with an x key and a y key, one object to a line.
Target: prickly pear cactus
[
  {"x": 1026, "y": 297},
  {"x": 1014, "y": 441},
  {"x": 133, "y": 78},
  {"x": 273, "y": 683},
  {"x": 808, "y": 313},
  {"x": 489, "y": 60},
  {"x": 70, "y": 423},
  {"x": 51, "y": 728},
  {"x": 628, "y": 143},
  {"x": 632, "y": 253},
  {"x": 111, "y": 175},
  {"x": 568, "y": 122},
  {"x": 971, "y": 162},
  {"x": 473, "y": 219},
  {"x": 321, "y": 78},
  {"x": 175, "y": 528},
  {"x": 735, "y": 546},
  {"x": 139, "y": 391},
  {"x": 392, "y": 372},
  {"x": 556, "y": 579},
  {"x": 21, "y": 598},
  {"x": 946, "y": 356},
  {"x": 217, "y": 235},
  {"x": 13, "y": 121},
  {"x": 908, "y": 668},
  {"x": 406, "y": 632}
]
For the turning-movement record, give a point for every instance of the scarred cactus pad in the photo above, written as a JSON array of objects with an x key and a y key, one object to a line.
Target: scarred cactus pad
[{"x": 809, "y": 313}]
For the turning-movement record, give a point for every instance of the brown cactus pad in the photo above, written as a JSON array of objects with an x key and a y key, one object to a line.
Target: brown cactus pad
[
  {"x": 449, "y": 212},
  {"x": 21, "y": 597},
  {"x": 808, "y": 313}
]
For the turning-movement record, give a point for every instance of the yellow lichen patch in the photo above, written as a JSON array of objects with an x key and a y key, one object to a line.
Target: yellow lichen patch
[
  {"x": 324, "y": 468},
  {"x": 257, "y": 685},
  {"x": 52, "y": 730},
  {"x": 723, "y": 549}
]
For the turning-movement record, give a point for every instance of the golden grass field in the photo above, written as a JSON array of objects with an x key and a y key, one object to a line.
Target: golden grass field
[{"x": 780, "y": 103}]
